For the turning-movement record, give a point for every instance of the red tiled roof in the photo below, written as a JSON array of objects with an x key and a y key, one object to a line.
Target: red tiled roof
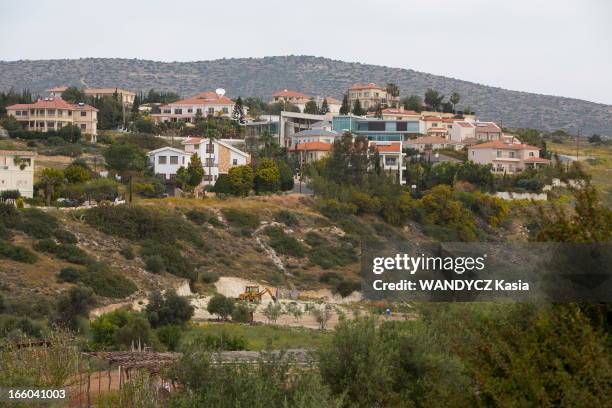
[
  {"x": 437, "y": 129},
  {"x": 465, "y": 124},
  {"x": 18, "y": 153},
  {"x": 192, "y": 140},
  {"x": 51, "y": 103},
  {"x": 387, "y": 147},
  {"x": 371, "y": 85},
  {"x": 486, "y": 127},
  {"x": 313, "y": 146},
  {"x": 331, "y": 100},
  {"x": 290, "y": 94},
  {"x": 498, "y": 144},
  {"x": 204, "y": 98},
  {"x": 537, "y": 159}
]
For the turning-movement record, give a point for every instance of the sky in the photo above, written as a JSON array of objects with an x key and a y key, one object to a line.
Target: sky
[{"x": 555, "y": 47}]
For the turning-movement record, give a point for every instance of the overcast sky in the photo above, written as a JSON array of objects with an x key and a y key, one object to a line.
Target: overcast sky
[{"x": 557, "y": 47}]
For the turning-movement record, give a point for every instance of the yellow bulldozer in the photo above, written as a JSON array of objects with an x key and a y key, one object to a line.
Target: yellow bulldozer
[{"x": 252, "y": 294}]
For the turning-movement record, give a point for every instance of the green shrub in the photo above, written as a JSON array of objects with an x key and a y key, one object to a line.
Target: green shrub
[
  {"x": 26, "y": 327},
  {"x": 240, "y": 218},
  {"x": 8, "y": 215},
  {"x": 17, "y": 253},
  {"x": 334, "y": 209},
  {"x": 68, "y": 252},
  {"x": 200, "y": 216},
  {"x": 346, "y": 287},
  {"x": 155, "y": 264},
  {"x": 209, "y": 277},
  {"x": 168, "y": 308},
  {"x": 328, "y": 256},
  {"x": 70, "y": 274},
  {"x": 221, "y": 306},
  {"x": 173, "y": 260},
  {"x": 127, "y": 252},
  {"x": 36, "y": 223},
  {"x": 242, "y": 313},
  {"x": 314, "y": 240},
  {"x": 285, "y": 244},
  {"x": 169, "y": 336},
  {"x": 329, "y": 277},
  {"x": 64, "y": 236},
  {"x": 223, "y": 342},
  {"x": 106, "y": 282},
  {"x": 287, "y": 218}
]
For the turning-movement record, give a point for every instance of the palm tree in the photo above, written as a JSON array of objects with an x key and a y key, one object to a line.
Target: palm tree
[
  {"x": 393, "y": 91},
  {"x": 50, "y": 179},
  {"x": 454, "y": 99}
]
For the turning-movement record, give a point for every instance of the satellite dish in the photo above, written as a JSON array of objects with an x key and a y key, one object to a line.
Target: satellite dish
[{"x": 220, "y": 91}]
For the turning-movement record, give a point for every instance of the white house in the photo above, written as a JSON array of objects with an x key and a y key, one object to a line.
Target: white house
[
  {"x": 314, "y": 135},
  {"x": 391, "y": 158},
  {"x": 432, "y": 143},
  {"x": 203, "y": 104},
  {"x": 167, "y": 160},
  {"x": 507, "y": 156},
  {"x": 217, "y": 156},
  {"x": 17, "y": 171}
]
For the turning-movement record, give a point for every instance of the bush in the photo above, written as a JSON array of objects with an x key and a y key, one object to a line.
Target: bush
[
  {"x": 285, "y": 244},
  {"x": 286, "y": 176},
  {"x": 173, "y": 260},
  {"x": 17, "y": 253},
  {"x": 155, "y": 264},
  {"x": 334, "y": 209},
  {"x": 240, "y": 180},
  {"x": 242, "y": 313},
  {"x": 221, "y": 306},
  {"x": 345, "y": 287},
  {"x": 70, "y": 275},
  {"x": 127, "y": 252},
  {"x": 68, "y": 252},
  {"x": 36, "y": 223},
  {"x": 240, "y": 218},
  {"x": 169, "y": 336},
  {"x": 330, "y": 277},
  {"x": 267, "y": 177},
  {"x": 314, "y": 240},
  {"x": 209, "y": 277},
  {"x": 330, "y": 256},
  {"x": 223, "y": 185},
  {"x": 72, "y": 305},
  {"x": 287, "y": 218},
  {"x": 201, "y": 217},
  {"x": 64, "y": 236},
  {"x": 106, "y": 282},
  {"x": 168, "y": 309},
  {"x": 223, "y": 342}
]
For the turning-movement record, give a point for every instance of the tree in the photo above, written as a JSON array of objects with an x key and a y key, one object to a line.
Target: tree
[
  {"x": 413, "y": 102},
  {"x": 168, "y": 308},
  {"x": 77, "y": 172},
  {"x": 238, "y": 112},
  {"x": 127, "y": 160},
  {"x": 345, "y": 108},
  {"x": 192, "y": 176},
  {"x": 393, "y": 91},
  {"x": 379, "y": 111},
  {"x": 322, "y": 315},
  {"x": 73, "y": 94},
  {"x": 433, "y": 99},
  {"x": 72, "y": 305},
  {"x": 296, "y": 311},
  {"x": 324, "y": 107},
  {"x": 267, "y": 177},
  {"x": 241, "y": 180},
  {"x": 273, "y": 311},
  {"x": 50, "y": 180},
  {"x": 357, "y": 109},
  {"x": 454, "y": 99},
  {"x": 221, "y": 306},
  {"x": 311, "y": 107},
  {"x": 594, "y": 139},
  {"x": 286, "y": 175}
]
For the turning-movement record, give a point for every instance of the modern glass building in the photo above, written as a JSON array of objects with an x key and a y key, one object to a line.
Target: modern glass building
[{"x": 388, "y": 130}]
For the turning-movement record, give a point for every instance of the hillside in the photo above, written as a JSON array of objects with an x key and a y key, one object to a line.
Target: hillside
[{"x": 312, "y": 75}]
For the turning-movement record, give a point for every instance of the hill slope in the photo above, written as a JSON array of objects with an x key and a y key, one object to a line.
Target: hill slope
[{"x": 312, "y": 75}]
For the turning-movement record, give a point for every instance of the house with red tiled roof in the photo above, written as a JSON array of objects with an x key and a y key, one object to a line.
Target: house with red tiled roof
[
  {"x": 507, "y": 156},
  {"x": 400, "y": 114},
  {"x": 432, "y": 143},
  {"x": 370, "y": 95},
  {"x": 309, "y": 152},
  {"x": 391, "y": 158},
  {"x": 203, "y": 104},
  {"x": 53, "y": 114},
  {"x": 298, "y": 99},
  {"x": 125, "y": 96}
]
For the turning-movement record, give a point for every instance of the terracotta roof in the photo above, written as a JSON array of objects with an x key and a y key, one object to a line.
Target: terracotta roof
[
  {"x": 487, "y": 127},
  {"x": 192, "y": 140},
  {"x": 331, "y": 100},
  {"x": 465, "y": 124},
  {"x": 537, "y": 159},
  {"x": 18, "y": 153},
  {"x": 290, "y": 94},
  {"x": 387, "y": 147},
  {"x": 437, "y": 129},
  {"x": 396, "y": 111},
  {"x": 370, "y": 85},
  {"x": 51, "y": 103},
  {"x": 312, "y": 146},
  {"x": 498, "y": 144},
  {"x": 204, "y": 98}
]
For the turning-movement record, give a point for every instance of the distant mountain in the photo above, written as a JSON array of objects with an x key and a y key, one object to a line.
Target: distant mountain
[{"x": 311, "y": 75}]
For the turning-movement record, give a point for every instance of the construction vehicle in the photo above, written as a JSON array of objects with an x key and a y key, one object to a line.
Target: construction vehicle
[{"x": 252, "y": 294}]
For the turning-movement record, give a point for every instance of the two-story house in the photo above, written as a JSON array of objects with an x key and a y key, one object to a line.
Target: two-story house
[
  {"x": 298, "y": 99},
  {"x": 391, "y": 158},
  {"x": 17, "y": 171},
  {"x": 167, "y": 160},
  {"x": 53, "y": 114},
  {"x": 217, "y": 156},
  {"x": 370, "y": 95},
  {"x": 507, "y": 156},
  {"x": 203, "y": 104}
]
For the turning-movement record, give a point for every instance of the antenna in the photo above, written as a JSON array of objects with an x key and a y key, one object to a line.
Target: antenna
[{"x": 220, "y": 92}]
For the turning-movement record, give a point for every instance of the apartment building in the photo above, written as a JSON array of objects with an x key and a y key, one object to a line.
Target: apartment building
[
  {"x": 53, "y": 114},
  {"x": 203, "y": 104},
  {"x": 507, "y": 157},
  {"x": 127, "y": 97},
  {"x": 298, "y": 99},
  {"x": 377, "y": 129},
  {"x": 370, "y": 95},
  {"x": 17, "y": 171},
  {"x": 217, "y": 156}
]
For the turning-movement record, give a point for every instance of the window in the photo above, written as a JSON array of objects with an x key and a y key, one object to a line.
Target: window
[
  {"x": 83, "y": 113},
  {"x": 211, "y": 111},
  {"x": 199, "y": 110},
  {"x": 531, "y": 154},
  {"x": 161, "y": 160},
  {"x": 210, "y": 161},
  {"x": 60, "y": 112},
  {"x": 499, "y": 153},
  {"x": 83, "y": 126},
  {"x": 225, "y": 110},
  {"x": 210, "y": 148},
  {"x": 234, "y": 162},
  {"x": 167, "y": 111},
  {"x": 173, "y": 159},
  {"x": 512, "y": 155},
  {"x": 18, "y": 113},
  {"x": 189, "y": 110},
  {"x": 69, "y": 113},
  {"x": 178, "y": 111},
  {"x": 390, "y": 161}
]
